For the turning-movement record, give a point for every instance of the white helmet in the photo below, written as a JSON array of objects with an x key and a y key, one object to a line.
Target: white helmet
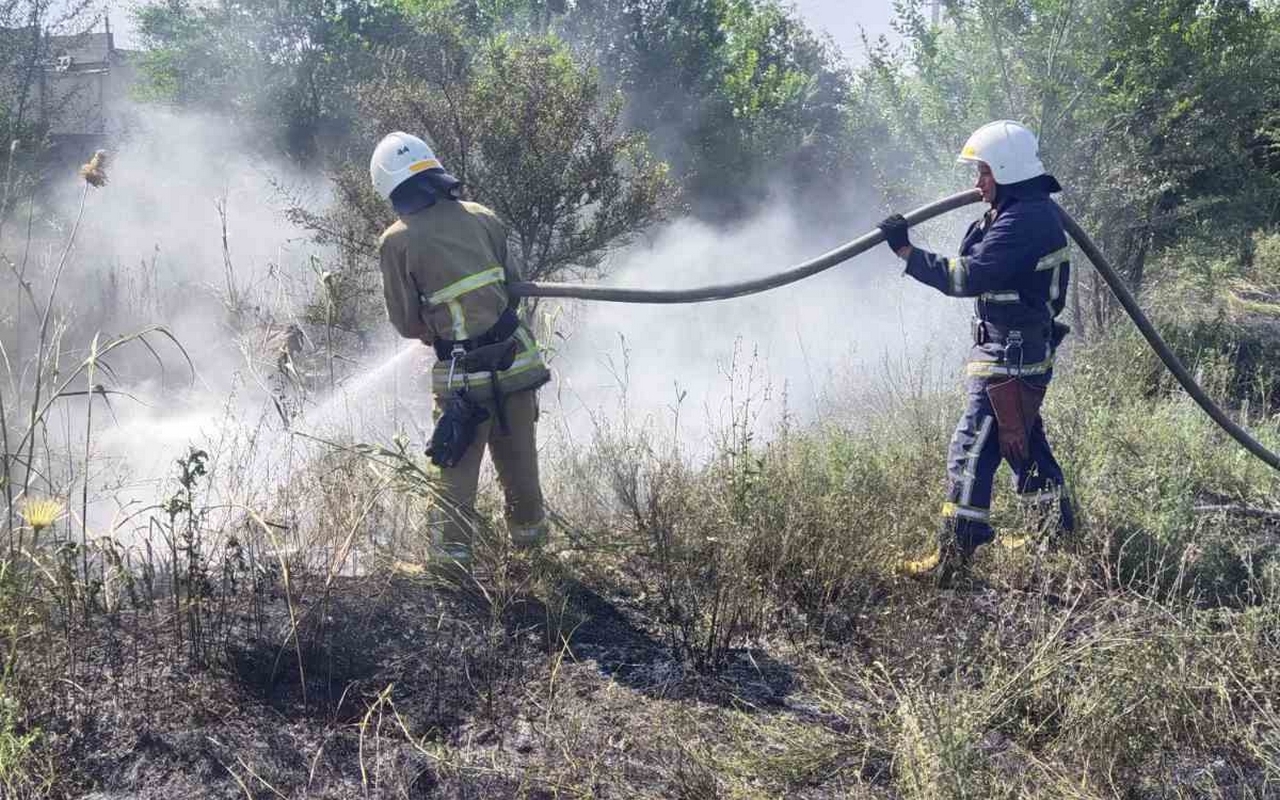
[
  {"x": 1012, "y": 151},
  {"x": 397, "y": 158}
]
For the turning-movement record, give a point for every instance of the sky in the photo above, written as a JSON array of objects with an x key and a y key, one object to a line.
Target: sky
[{"x": 843, "y": 19}]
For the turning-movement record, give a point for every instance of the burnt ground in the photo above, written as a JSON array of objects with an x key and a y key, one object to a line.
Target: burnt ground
[{"x": 412, "y": 687}]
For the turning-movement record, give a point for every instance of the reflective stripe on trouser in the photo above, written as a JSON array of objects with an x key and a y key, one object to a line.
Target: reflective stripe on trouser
[
  {"x": 514, "y": 454},
  {"x": 974, "y": 457}
]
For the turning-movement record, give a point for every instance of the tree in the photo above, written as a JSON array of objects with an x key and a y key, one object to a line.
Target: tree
[
  {"x": 285, "y": 68},
  {"x": 744, "y": 101},
  {"x": 738, "y": 96},
  {"x": 30, "y": 103},
  {"x": 532, "y": 134},
  {"x": 1149, "y": 112}
]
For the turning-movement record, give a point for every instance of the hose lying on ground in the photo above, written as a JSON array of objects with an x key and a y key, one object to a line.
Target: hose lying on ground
[{"x": 864, "y": 243}]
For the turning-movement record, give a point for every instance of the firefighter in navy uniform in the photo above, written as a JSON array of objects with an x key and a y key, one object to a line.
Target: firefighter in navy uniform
[
  {"x": 1014, "y": 263},
  {"x": 445, "y": 271}
]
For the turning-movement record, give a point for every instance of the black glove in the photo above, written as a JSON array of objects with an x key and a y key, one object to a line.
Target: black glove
[
  {"x": 895, "y": 232},
  {"x": 455, "y": 430}
]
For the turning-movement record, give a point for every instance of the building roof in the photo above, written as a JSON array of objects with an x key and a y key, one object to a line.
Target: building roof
[
  {"x": 64, "y": 53},
  {"x": 81, "y": 51}
]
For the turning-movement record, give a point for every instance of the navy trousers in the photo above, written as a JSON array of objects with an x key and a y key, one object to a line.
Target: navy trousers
[{"x": 973, "y": 459}]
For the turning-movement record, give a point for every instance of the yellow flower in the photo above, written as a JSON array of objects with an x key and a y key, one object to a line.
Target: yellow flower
[{"x": 40, "y": 514}]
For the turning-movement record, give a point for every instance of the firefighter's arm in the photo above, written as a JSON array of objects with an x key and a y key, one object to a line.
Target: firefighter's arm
[
  {"x": 994, "y": 264},
  {"x": 404, "y": 306},
  {"x": 512, "y": 266},
  {"x": 930, "y": 269}
]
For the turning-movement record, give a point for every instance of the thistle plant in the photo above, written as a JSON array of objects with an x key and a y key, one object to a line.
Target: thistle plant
[
  {"x": 95, "y": 171},
  {"x": 40, "y": 513}
]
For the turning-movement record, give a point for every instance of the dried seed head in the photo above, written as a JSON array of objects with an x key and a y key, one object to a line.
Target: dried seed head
[
  {"x": 42, "y": 513},
  {"x": 95, "y": 172}
]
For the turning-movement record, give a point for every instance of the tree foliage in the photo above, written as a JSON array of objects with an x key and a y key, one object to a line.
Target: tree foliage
[
  {"x": 284, "y": 68},
  {"x": 1153, "y": 114},
  {"x": 29, "y": 110},
  {"x": 741, "y": 97},
  {"x": 737, "y": 95},
  {"x": 1162, "y": 118},
  {"x": 532, "y": 134}
]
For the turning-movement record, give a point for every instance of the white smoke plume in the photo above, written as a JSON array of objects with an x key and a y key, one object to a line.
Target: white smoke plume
[
  {"x": 152, "y": 251},
  {"x": 189, "y": 233},
  {"x": 806, "y": 344}
]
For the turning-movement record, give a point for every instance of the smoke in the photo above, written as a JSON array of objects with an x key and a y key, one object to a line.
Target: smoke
[
  {"x": 804, "y": 350},
  {"x": 152, "y": 250},
  {"x": 190, "y": 233}
]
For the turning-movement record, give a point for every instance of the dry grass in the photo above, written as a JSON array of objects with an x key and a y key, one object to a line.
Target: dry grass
[
  {"x": 740, "y": 638},
  {"x": 721, "y": 626}
]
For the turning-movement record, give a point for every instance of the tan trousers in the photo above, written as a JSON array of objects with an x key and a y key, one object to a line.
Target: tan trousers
[{"x": 515, "y": 455}]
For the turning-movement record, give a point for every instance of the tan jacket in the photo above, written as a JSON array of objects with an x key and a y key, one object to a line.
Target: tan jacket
[{"x": 444, "y": 276}]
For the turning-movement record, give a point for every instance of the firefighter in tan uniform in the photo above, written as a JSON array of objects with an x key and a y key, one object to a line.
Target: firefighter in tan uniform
[{"x": 445, "y": 270}]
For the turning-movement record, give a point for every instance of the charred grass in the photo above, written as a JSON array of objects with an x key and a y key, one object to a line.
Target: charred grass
[{"x": 730, "y": 626}]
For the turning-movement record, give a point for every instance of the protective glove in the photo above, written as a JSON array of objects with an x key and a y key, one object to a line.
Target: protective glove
[
  {"x": 455, "y": 430},
  {"x": 1017, "y": 406},
  {"x": 895, "y": 232}
]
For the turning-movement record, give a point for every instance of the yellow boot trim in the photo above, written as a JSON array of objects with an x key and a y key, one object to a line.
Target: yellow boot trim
[
  {"x": 924, "y": 566},
  {"x": 1016, "y": 541}
]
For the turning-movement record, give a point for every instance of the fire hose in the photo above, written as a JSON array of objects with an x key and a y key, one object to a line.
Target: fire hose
[{"x": 867, "y": 241}]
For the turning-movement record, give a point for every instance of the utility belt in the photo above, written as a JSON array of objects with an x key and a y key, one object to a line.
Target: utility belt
[
  {"x": 502, "y": 330},
  {"x": 1016, "y": 352},
  {"x": 493, "y": 351},
  {"x": 988, "y": 333}
]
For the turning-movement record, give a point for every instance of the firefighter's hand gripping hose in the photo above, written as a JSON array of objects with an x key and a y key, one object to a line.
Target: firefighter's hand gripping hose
[{"x": 866, "y": 242}]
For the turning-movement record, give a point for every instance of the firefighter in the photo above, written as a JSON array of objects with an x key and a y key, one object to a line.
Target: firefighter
[
  {"x": 445, "y": 269},
  {"x": 1014, "y": 263}
]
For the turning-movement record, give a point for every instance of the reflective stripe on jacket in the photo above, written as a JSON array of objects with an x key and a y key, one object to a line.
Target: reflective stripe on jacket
[
  {"x": 444, "y": 275},
  {"x": 1015, "y": 263}
]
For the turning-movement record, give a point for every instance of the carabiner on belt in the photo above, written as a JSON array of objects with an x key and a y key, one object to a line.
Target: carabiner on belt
[
  {"x": 1014, "y": 339},
  {"x": 457, "y": 353}
]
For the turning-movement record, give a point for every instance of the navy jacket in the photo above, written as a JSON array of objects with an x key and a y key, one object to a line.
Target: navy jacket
[{"x": 1014, "y": 263}]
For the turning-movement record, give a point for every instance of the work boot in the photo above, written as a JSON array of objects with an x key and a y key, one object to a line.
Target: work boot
[
  {"x": 958, "y": 539},
  {"x": 527, "y": 537},
  {"x": 1066, "y": 514},
  {"x": 1048, "y": 516}
]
